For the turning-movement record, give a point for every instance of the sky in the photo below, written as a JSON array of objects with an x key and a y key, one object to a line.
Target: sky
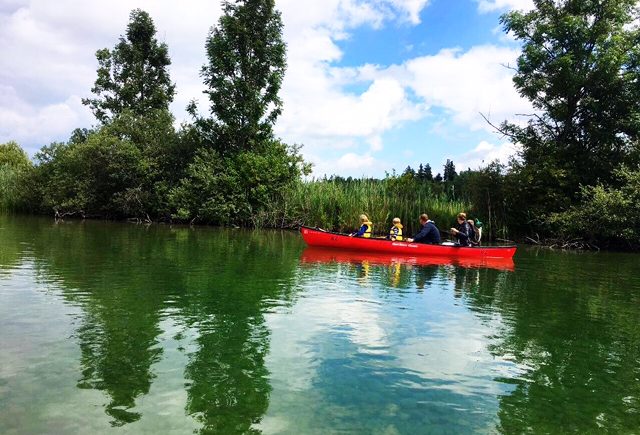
[{"x": 371, "y": 85}]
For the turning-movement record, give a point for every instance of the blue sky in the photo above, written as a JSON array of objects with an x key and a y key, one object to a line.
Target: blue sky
[{"x": 371, "y": 85}]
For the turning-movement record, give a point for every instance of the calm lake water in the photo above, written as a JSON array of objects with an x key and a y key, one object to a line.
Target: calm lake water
[{"x": 121, "y": 328}]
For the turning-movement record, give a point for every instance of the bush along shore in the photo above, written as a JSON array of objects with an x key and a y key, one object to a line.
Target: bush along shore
[{"x": 574, "y": 183}]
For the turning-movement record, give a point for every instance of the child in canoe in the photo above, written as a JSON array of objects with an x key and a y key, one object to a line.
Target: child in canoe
[
  {"x": 395, "y": 233},
  {"x": 366, "y": 228}
]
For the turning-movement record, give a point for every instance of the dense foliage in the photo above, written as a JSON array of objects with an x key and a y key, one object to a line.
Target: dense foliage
[
  {"x": 579, "y": 68},
  {"x": 606, "y": 215},
  {"x": 240, "y": 168},
  {"x": 16, "y": 178}
]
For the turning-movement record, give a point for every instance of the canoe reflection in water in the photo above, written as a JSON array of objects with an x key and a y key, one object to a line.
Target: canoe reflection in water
[
  {"x": 405, "y": 272},
  {"x": 329, "y": 255}
]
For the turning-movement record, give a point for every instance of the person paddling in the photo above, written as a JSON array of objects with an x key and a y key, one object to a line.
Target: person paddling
[
  {"x": 366, "y": 228},
  {"x": 428, "y": 233},
  {"x": 395, "y": 233},
  {"x": 463, "y": 232}
]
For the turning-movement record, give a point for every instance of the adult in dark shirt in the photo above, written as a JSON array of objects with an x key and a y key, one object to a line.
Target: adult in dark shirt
[
  {"x": 463, "y": 232},
  {"x": 428, "y": 233}
]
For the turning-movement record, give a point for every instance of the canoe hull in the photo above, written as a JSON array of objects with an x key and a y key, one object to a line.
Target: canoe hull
[{"x": 315, "y": 237}]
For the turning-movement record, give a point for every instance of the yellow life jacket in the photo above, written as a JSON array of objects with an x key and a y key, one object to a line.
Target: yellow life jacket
[
  {"x": 369, "y": 231},
  {"x": 396, "y": 236}
]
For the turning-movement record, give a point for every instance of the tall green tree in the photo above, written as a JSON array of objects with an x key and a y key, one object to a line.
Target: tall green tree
[
  {"x": 428, "y": 174},
  {"x": 409, "y": 172},
  {"x": 579, "y": 68},
  {"x": 449, "y": 171},
  {"x": 134, "y": 75},
  {"x": 246, "y": 65},
  {"x": 17, "y": 188}
]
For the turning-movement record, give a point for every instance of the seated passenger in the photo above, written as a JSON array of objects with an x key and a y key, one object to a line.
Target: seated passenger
[
  {"x": 366, "y": 228},
  {"x": 428, "y": 233},
  {"x": 476, "y": 226},
  {"x": 395, "y": 233},
  {"x": 463, "y": 232}
]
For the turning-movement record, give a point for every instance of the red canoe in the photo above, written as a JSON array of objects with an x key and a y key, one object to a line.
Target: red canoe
[{"x": 317, "y": 237}]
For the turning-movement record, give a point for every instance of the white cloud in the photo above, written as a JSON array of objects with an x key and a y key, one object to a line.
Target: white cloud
[
  {"x": 351, "y": 161},
  {"x": 375, "y": 143},
  {"x": 345, "y": 164},
  {"x": 412, "y": 8},
  {"x": 48, "y": 58},
  {"x": 485, "y": 153},
  {"x": 336, "y": 113},
  {"x": 469, "y": 83},
  {"x": 39, "y": 124},
  {"x": 495, "y": 5}
]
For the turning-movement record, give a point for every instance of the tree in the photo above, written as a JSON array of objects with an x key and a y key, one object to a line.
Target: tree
[
  {"x": 606, "y": 215},
  {"x": 235, "y": 189},
  {"x": 428, "y": 175},
  {"x": 134, "y": 75},
  {"x": 12, "y": 155},
  {"x": 579, "y": 67},
  {"x": 438, "y": 178},
  {"x": 17, "y": 188},
  {"x": 449, "y": 171},
  {"x": 246, "y": 65},
  {"x": 409, "y": 172},
  {"x": 102, "y": 176}
]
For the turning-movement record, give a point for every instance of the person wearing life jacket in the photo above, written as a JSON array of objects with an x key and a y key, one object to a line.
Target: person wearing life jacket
[
  {"x": 395, "y": 233},
  {"x": 463, "y": 232},
  {"x": 366, "y": 228},
  {"x": 428, "y": 233}
]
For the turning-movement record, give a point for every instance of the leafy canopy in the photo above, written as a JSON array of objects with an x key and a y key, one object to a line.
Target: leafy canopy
[
  {"x": 579, "y": 68},
  {"x": 134, "y": 75},
  {"x": 246, "y": 65}
]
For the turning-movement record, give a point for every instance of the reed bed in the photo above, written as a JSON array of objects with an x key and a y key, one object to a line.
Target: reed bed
[{"x": 336, "y": 205}]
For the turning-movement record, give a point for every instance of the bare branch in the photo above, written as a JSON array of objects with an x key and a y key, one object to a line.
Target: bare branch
[{"x": 497, "y": 128}]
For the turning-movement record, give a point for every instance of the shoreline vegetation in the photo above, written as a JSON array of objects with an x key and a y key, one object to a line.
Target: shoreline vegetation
[{"x": 574, "y": 184}]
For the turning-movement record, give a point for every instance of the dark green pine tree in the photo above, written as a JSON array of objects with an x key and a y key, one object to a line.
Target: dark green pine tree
[
  {"x": 449, "y": 171},
  {"x": 428, "y": 175},
  {"x": 409, "y": 172},
  {"x": 246, "y": 65},
  {"x": 133, "y": 76},
  {"x": 438, "y": 178}
]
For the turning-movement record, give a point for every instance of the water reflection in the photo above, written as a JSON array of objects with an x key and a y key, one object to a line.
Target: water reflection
[
  {"x": 577, "y": 329},
  {"x": 327, "y": 255},
  {"x": 127, "y": 279},
  {"x": 225, "y": 331},
  {"x": 395, "y": 355}
]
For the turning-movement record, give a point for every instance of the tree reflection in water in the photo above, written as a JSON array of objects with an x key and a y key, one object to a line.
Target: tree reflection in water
[
  {"x": 125, "y": 279},
  {"x": 574, "y": 325}
]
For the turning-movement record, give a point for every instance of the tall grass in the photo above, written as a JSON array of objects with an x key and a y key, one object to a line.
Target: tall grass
[
  {"x": 9, "y": 193},
  {"x": 336, "y": 205}
]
